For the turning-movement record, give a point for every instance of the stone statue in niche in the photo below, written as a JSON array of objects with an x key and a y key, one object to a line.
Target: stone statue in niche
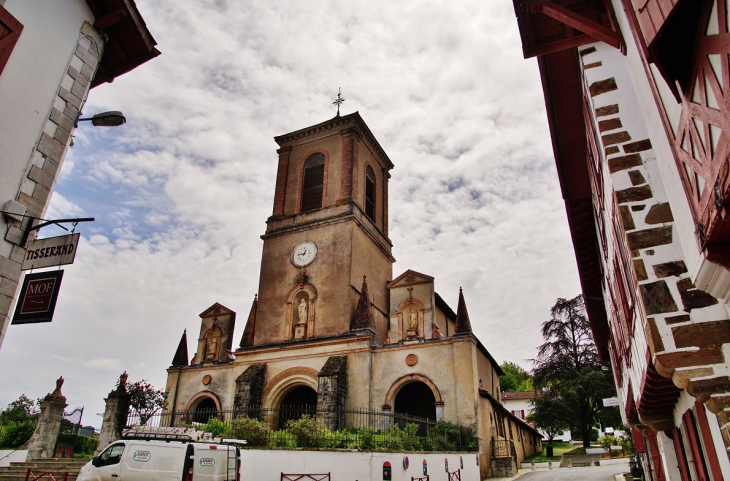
[
  {"x": 302, "y": 311},
  {"x": 412, "y": 332},
  {"x": 413, "y": 323},
  {"x": 387, "y": 338},
  {"x": 436, "y": 332},
  {"x": 211, "y": 347}
]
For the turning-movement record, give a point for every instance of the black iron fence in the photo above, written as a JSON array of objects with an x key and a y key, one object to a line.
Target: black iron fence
[{"x": 305, "y": 426}]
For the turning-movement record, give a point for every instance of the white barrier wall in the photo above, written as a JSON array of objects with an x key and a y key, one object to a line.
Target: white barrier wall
[
  {"x": 267, "y": 465},
  {"x": 15, "y": 456}
]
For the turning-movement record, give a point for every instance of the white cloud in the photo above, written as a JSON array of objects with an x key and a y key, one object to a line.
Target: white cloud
[{"x": 181, "y": 193}]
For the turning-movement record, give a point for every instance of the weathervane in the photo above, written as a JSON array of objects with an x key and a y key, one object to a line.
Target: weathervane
[{"x": 338, "y": 101}]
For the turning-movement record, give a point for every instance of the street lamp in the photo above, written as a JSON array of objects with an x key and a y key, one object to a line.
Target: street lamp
[{"x": 112, "y": 118}]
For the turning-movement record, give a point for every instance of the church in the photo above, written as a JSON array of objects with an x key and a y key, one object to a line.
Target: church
[{"x": 330, "y": 326}]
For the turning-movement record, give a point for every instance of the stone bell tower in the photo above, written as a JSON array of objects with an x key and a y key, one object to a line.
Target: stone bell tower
[{"x": 329, "y": 228}]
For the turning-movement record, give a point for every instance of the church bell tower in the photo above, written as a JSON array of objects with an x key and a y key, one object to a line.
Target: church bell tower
[{"x": 329, "y": 228}]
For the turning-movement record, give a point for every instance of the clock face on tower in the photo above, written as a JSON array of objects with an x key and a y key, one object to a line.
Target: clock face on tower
[{"x": 304, "y": 253}]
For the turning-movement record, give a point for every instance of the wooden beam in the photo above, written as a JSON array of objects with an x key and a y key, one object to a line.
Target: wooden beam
[
  {"x": 585, "y": 25},
  {"x": 111, "y": 18}
]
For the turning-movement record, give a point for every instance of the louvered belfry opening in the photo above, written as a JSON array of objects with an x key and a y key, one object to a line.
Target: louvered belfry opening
[
  {"x": 313, "y": 182},
  {"x": 370, "y": 193}
]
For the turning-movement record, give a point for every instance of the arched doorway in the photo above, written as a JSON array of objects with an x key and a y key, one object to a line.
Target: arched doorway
[
  {"x": 205, "y": 410},
  {"x": 300, "y": 400},
  {"x": 415, "y": 399}
]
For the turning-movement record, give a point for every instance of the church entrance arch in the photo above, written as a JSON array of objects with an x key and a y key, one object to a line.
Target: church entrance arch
[
  {"x": 297, "y": 402},
  {"x": 286, "y": 390},
  {"x": 202, "y": 406},
  {"x": 415, "y": 399},
  {"x": 414, "y": 395}
]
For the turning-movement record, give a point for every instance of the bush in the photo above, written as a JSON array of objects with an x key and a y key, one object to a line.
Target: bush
[
  {"x": 14, "y": 434},
  {"x": 606, "y": 442},
  {"x": 308, "y": 431},
  {"x": 446, "y": 437},
  {"x": 343, "y": 439},
  {"x": 284, "y": 439},
  {"x": 253, "y": 431},
  {"x": 86, "y": 446},
  {"x": 216, "y": 427},
  {"x": 627, "y": 444}
]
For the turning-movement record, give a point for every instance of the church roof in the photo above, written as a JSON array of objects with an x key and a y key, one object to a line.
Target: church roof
[
  {"x": 363, "y": 318},
  {"x": 346, "y": 121},
  {"x": 215, "y": 310},
  {"x": 462, "y": 316},
  {"x": 408, "y": 278},
  {"x": 181, "y": 355},
  {"x": 248, "y": 331}
]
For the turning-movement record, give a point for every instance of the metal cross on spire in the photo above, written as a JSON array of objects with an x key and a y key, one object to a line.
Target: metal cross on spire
[{"x": 338, "y": 101}]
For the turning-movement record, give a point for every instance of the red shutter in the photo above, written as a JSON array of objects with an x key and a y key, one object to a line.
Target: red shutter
[
  {"x": 651, "y": 15},
  {"x": 681, "y": 456},
  {"x": 698, "y": 460},
  {"x": 707, "y": 441},
  {"x": 10, "y": 30},
  {"x": 656, "y": 457}
]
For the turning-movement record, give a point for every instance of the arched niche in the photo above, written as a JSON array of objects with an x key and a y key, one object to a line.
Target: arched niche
[
  {"x": 296, "y": 328},
  {"x": 410, "y": 312},
  {"x": 210, "y": 344}
]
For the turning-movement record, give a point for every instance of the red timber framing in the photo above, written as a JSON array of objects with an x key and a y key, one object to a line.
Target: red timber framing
[
  {"x": 698, "y": 73},
  {"x": 10, "y": 30},
  {"x": 549, "y": 26}
]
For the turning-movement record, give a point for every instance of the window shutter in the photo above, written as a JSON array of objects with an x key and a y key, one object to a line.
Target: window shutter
[
  {"x": 10, "y": 30},
  {"x": 651, "y": 15},
  {"x": 313, "y": 182},
  {"x": 370, "y": 193}
]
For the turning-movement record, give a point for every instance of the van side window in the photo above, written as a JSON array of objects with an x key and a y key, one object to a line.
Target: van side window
[{"x": 112, "y": 455}]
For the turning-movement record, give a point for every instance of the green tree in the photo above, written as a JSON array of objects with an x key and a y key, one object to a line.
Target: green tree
[
  {"x": 21, "y": 408},
  {"x": 515, "y": 378},
  {"x": 549, "y": 415},
  {"x": 145, "y": 400},
  {"x": 567, "y": 363}
]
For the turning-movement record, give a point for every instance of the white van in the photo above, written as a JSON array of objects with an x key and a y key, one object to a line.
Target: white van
[{"x": 173, "y": 460}]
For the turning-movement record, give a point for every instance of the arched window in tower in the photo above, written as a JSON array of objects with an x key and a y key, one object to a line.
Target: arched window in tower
[
  {"x": 370, "y": 193},
  {"x": 313, "y": 182}
]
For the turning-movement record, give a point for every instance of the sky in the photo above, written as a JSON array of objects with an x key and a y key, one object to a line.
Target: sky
[{"x": 181, "y": 193}]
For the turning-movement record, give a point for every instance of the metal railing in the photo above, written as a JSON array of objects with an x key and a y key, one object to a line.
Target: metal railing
[{"x": 307, "y": 426}]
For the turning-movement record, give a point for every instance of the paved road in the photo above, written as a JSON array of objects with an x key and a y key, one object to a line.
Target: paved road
[{"x": 598, "y": 473}]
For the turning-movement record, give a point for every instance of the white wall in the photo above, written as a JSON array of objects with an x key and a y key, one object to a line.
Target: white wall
[
  {"x": 8, "y": 456},
  {"x": 267, "y": 465},
  {"x": 30, "y": 81}
]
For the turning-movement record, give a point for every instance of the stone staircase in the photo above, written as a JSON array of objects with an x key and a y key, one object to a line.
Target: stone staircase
[{"x": 18, "y": 471}]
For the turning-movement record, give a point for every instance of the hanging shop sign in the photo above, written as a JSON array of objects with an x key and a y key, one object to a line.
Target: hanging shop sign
[
  {"x": 38, "y": 297},
  {"x": 610, "y": 401},
  {"x": 51, "y": 252}
]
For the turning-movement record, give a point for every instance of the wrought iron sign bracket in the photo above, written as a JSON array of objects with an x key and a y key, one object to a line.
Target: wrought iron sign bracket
[{"x": 30, "y": 227}]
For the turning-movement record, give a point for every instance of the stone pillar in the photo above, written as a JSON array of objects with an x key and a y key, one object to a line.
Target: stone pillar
[
  {"x": 43, "y": 441},
  {"x": 332, "y": 392},
  {"x": 249, "y": 391},
  {"x": 115, "y": 414}
]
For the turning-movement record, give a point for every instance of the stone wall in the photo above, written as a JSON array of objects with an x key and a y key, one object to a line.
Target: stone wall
[{"x": 45, "y": 162}]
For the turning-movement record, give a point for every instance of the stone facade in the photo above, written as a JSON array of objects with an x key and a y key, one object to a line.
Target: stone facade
[{"x": 331, "y": 327}]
